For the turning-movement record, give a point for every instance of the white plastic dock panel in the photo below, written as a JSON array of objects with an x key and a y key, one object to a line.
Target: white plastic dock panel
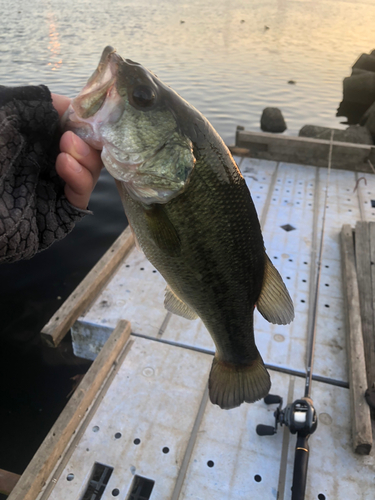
[
  {"x": 146, "y": 422},
  {"x": 150, "y": 406},
  {"x": 290, "y": 201}
]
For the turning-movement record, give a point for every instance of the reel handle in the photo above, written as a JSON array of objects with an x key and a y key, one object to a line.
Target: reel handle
[
  {"x": 273, "y": 399},
  {"x": 265, "y": 430},
  {"x": 301, "y": 460}
]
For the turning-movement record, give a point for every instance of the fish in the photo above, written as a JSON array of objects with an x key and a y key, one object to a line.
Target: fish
[{"x": 191, "y": 212}]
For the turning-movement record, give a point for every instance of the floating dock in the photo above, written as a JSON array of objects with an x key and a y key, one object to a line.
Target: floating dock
[{"x": 140, "y": 424}]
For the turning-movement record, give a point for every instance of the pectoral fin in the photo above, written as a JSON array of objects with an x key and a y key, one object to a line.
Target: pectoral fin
[
  {"x": 274, "y": 302},
  {"x": 162, "y": 230},
  {"x": 175, "y": 305}
]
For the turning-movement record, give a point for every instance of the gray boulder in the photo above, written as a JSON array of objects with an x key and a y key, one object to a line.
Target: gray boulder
[
  {"x": 360, "y": 88},
  {"x": 368, "y": 120},
  {"x": 366, "y": 62},
  {"x": 272, "y": 120},
  {"x": 354, "y": 133}
]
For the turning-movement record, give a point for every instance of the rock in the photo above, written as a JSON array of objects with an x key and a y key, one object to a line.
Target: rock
[
  {"x": 360, "y": 88},
  {"x": 354, "y": 133},
  {"x": 368, "y": 120},
  {"x": 272, "y": 120},
  {"x": 352, "y": 110},
  {"x": 366, "y": 62}
]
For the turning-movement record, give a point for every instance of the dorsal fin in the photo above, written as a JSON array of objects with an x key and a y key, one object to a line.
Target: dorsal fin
[{"x": 274, "y": 302}]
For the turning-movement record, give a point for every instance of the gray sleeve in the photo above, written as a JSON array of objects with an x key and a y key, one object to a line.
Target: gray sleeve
[{"x": 34, "y": 212}]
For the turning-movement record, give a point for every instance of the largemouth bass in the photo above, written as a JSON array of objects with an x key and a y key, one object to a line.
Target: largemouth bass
[{"x": 191, "y": 212}]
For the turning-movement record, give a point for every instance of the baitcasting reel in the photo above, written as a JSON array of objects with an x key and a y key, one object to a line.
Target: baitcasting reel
[{"x": 299, "y": 416}]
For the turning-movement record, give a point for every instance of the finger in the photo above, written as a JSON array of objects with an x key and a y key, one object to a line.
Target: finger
[
  {"x": 79, "y": 180},
  {"x": 82, "y": 152},
  {"x": 60, "y": 103}
]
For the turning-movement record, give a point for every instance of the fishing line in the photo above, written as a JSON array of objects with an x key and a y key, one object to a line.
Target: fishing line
[{"x": 312, "y": 333}]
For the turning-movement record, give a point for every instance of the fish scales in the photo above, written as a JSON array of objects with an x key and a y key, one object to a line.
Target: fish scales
[
  {"x": 219, "y": 276},
  {"x": 192, "y": 215}
]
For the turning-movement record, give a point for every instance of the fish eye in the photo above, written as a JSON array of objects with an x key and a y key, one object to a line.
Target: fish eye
[{"x": 144, "y": 96}]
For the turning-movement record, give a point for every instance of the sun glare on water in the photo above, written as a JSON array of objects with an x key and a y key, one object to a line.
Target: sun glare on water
[{"x": 54, "y": 44}]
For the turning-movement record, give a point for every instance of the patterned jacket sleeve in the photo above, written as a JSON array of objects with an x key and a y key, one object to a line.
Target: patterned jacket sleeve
[{"x": 34, "y": 212}]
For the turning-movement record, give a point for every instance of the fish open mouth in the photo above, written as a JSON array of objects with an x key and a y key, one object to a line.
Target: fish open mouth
[
  {"x": 98, "y": 102},
  {"x": 99, "y": 86}
]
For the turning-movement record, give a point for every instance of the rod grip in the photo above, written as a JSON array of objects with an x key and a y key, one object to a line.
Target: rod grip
[{"x": 301, "y": 460}]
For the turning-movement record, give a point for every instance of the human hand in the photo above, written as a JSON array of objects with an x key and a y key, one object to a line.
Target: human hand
[{"x": 78, "y": 164}]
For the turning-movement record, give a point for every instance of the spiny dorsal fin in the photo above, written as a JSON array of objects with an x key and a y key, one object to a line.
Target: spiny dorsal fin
[
  {"x": 175, "y": 305},
  {"x": 274, "y": 302}
]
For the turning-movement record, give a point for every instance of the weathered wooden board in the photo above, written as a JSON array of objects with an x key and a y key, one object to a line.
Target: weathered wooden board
[
  {"x": 57, "y": 327},
  {"x": 8, "y": 481},
  {"x": 56, "y": 441},
  {"x": 360, "y": 412},
  {"x": 304, "y": 150},
  {"x": 364, "y": 275}
]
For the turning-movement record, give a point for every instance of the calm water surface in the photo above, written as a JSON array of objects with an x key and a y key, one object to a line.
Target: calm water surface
[{"x": 220, "y": 57}]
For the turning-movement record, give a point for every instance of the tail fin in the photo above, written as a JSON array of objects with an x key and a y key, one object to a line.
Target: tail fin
[{"x": 231, "y": 385}]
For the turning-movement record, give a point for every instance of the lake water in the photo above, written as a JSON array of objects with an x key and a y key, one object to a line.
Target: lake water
[{"x": 229, "y": 58}]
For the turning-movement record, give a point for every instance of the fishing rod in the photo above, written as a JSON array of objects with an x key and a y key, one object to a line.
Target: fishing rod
[{"x": 300, "y": 416}]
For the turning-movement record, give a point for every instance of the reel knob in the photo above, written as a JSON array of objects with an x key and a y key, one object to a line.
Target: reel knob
[{"x": 265, "y": 430}]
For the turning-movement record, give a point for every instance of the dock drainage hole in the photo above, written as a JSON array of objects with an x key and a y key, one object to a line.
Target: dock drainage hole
[
  {"x": 210, "y": 463},
  {"x": 136, "y": 441},
  {"x": 257, "y": 478},
  {"x": 302, "y": 301},
  {"x": 373, "y": 203},
  {"x": 303, "y": 281},
  {"x": 95, "y": 428},
  {"x": 326, "y": 284},
  {"x": 326, "y": 305},
  {"x": 141, "y": 488},
  {"x": 154, "y": 271},
  {"x": 321, "y": 496},
  {"x": 165, "y": 449},
  {"x": 70, "y": 477},
  {"x": 98, "y": 481},
  {"x": 118, "y": 435},
  {"x": 127, "y": 265},
  {"x": 287, "y": 228},
  {"x": 115, "y": 492},
  {"x": 290, "y": 260}
]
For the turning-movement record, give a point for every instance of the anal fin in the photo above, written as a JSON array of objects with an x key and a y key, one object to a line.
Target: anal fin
[
  {"x": 175, "y": 305},
  {"x": 274, "y": 302}
]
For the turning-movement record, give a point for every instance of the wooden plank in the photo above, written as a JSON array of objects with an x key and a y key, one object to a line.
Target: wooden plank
[
  {"x": 371, "y": 339},
  {"x": 57, "y": 327},
  {"x": 360, "y": 412},
  {"x": 8, "y": 481},
  {"x": 304, "y": 150},
  {"x": 44, "y": 461},
  {"x": 364, "y": 273}
]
